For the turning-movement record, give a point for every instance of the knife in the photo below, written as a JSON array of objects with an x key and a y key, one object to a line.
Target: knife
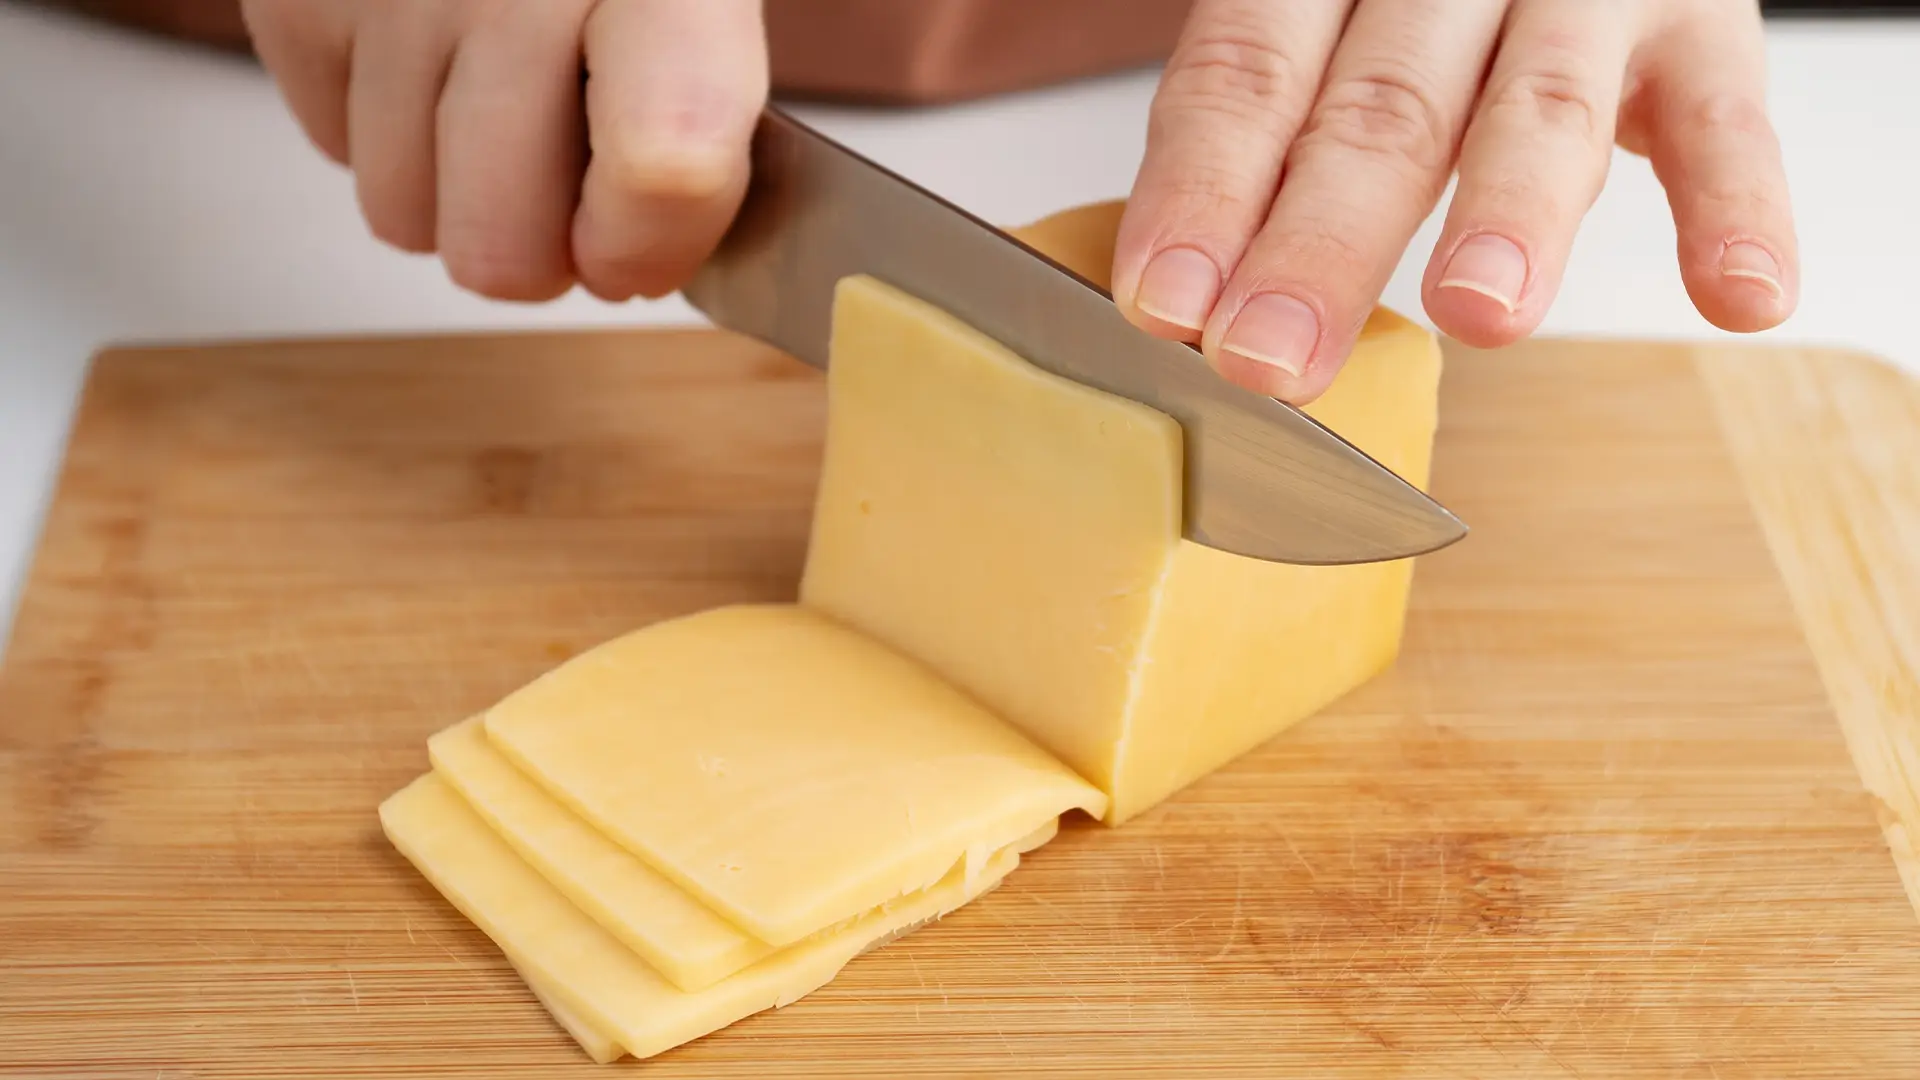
[{"x": 1262, "y": 478}]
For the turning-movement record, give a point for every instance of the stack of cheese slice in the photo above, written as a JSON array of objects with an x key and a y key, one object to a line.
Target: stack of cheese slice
[
  {"x": 711, "y": 816},
  {"x": 999, "y": 622}
]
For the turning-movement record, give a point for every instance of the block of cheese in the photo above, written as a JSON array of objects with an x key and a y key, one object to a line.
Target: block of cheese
[
  {"x": 679, "y": 936},
  {"x": 787, "y": 772},
  {"x": 1007, "y": 527},
  {"x": 1017, "y": 532},
  {"x": 605, "y": 994}
]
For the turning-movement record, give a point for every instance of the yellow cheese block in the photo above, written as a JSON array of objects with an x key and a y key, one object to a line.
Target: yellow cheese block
[
  {"x": 1016, "y": 532},
  {"x": 1008, "y": 527},
  {"x": 679, "y": 936},
  {"x": 603, "y": 993},
  {"x": 789, "y": 773}
]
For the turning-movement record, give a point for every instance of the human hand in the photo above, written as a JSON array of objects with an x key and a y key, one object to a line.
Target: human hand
[
  {"x": 1366, "y": 108},
  {"x": 462, "y": 121}
]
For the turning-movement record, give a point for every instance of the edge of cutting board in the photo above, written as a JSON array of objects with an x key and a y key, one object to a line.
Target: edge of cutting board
[{"x": 1827, "y": 442}]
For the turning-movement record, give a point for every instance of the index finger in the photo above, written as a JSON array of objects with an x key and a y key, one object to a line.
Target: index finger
[
  {"x": 673, "y": 91},
  {"x": 1364, "y": 173}
]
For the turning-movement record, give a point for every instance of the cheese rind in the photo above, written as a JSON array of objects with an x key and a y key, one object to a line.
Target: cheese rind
[
  {"x": 787, "y": 772},
  {"x": 967, "y": 518},
  {"x": 678, "y": 935},
  {"x": 603, "y": 991}
]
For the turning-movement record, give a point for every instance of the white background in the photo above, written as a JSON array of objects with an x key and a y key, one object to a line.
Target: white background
[{"x": 151, "y": 191}]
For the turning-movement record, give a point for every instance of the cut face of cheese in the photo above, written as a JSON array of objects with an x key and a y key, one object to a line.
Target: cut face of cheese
[
  {"x": 1007, "y": 527},
  {"x": 603, "y": 993},
  {"x": 1018, "y": 533},
  {"x": 1243, "y": 648},
  {"x": 679, "y": 936},
  {"x": 787, "y": 772}
]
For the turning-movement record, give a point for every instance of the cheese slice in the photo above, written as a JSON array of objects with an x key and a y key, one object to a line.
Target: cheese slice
[
  {"x": 601, "y": 991},
  {"x": 1019, "y": 534},
  {"x": 600, "y": 1046},
  {"x": 675, "y": 934},
  {"x": 787, "y": 772},
  {"x": 678, "y": 936}
]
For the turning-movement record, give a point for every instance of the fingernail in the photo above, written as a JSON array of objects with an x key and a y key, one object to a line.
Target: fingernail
[
  {"x": 1179, "y": 286},
  {"x": 1276, "y": 330},
  {"x": 1490, "y": 265},
  {"x": 1751, "y": 262}
]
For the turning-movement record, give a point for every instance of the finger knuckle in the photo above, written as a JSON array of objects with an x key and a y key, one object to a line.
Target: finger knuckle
[
  {"x": 1323, "y": 244},
  {"x": 1388, "y": 113},
  {"x": 1751, "y": 201},
  {"x": 397, "y": 214},
  {"x": 1560, "y": 98},
  {"x": 404, "y": 231},
  {"x": 1234, "y": 68},
  {"x": 689, "y": 146},
  {"x": 1722, "y": 114},
  {"x": 1212, "y": 186},
  {"x": 616, "y": 274},
  {"x": 670, "y": 167},
  {"x": 1527, "y": 202},
  {"x": 494, "y": 271},
  {"x": 1315, "y": 252}
]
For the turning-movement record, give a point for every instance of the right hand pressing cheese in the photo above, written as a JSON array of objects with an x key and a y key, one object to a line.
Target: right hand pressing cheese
[{"x": 1019, "y": 533}]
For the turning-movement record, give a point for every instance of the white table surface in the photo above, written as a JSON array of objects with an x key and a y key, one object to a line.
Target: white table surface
[{"x": 152, "y": 191}]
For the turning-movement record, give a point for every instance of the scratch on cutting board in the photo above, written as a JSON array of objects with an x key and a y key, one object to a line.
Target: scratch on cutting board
[
  {"x": 354, "y": 989},
  {"x": 1574, "y": 1017},
  {"x": 917, "y": 976},
  {"x": 1171, "y": 927},
  {"x": 1008, "y": 1045},
  {"x": 1040, "y": 959},
  {"x": 922, "y": 980},
  {"x": 1301, "y": 859},
  {"x": 410, "y": 939},
  {"x": 1057, "y": 910},
  {"x": 1439, "y": 897},
  {"x": 451, "y": 955},
  {"x": 1633, "y": 1025},
  {"x": 1234, "y": 920},
  {"x": 1519, "y": 994}
]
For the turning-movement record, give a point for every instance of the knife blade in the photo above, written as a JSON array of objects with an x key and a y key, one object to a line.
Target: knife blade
[{"x": 1262, "y": 478}]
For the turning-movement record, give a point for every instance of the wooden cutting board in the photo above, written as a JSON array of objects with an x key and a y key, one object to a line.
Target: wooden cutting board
[{"x": 1601, "y": 821}]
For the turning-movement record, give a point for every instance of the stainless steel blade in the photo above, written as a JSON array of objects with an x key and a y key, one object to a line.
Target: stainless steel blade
[{"x": 1262, "y": 478}]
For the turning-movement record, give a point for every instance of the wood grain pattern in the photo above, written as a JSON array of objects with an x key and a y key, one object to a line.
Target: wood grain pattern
[
  {"x": 1599, "y": 822},
  {"x": 1828, "y": 443}
]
